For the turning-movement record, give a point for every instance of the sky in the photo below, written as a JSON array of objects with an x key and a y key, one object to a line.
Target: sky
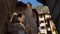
[{"x": 33, "y": 2}]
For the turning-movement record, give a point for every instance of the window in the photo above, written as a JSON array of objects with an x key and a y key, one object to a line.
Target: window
[
  {"x": 43, "y": 27},
  {"x": 41, "y": 21}
]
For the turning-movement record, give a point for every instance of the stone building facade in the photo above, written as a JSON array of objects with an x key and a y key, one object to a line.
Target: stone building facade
[
  {"x": 8, "y": 7},
  {"x": 54, "y": 8},
  {"x": 31, "y": 18}
]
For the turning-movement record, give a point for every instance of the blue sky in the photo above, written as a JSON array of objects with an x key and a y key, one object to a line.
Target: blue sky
[{"x": 33, "y": 2}]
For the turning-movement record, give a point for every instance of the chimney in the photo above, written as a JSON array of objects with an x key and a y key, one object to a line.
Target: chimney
[{"x": 29, "y": 8}]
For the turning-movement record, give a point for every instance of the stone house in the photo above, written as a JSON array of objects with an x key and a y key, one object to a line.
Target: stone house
[{"x": 54, "y": 8}]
